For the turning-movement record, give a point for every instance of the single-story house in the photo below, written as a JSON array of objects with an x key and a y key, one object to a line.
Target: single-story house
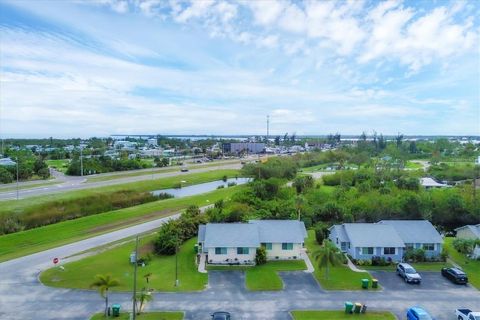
[
  {"x": 237, "y": 243},
  {"x": 388, "y": 239},
  {"x": 429, "y": 183},
  {"x": 470, "y": 232}
]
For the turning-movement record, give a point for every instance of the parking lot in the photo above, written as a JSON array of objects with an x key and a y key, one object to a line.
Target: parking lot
[{"x": 431, "y": 281}]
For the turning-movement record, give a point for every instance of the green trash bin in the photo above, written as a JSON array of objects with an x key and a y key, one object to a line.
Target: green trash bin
[
  {"x": 116, "y": 310},
  {"x": 348, "y": 307},
  {"x": 374, "y": 283},
  {"x": 358, "y": 307},
  {"x": 365, "y": 283}
]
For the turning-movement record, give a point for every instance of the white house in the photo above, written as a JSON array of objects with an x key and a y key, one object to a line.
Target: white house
[
  {"x": 429, "y": 183},
  {"x": 387, "y": 238},
  {"x": 470, "y": 232},
  {"x": 237, "y": 243}
]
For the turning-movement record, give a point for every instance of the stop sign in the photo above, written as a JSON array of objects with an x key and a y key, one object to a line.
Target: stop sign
[{"x": 55, "y": 260}]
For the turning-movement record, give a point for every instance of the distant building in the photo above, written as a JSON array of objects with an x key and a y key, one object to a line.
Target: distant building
[
  {"x": 152, "y": 142},
  {"x": 478, "y": 160},
  {"x": 7, "y": 162},
  {"x": 429, "y": 183},
  {"x": 240, "y": 147}
]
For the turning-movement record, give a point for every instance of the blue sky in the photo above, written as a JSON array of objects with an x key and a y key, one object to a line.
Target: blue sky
[{"x": 101, "y": 67}]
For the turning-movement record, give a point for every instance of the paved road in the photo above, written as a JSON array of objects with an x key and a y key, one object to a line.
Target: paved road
[
  {"x": 23, "y": 297},
  {"x": 79, "y": 183}
]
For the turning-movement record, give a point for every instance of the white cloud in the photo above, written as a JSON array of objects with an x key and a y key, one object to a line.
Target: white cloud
[{"x": 195, "y": 10}]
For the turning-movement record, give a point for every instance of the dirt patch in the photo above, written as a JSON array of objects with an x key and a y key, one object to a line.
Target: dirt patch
[
  {"x": 136, "y": 220},
  {"x": 146, "y": 249}
]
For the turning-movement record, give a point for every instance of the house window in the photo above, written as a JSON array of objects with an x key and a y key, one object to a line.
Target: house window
[
  {"x": 220, "y": 250},
  {"x": 343, "y": 246},
  {"x": 287, "y": 246},
  {"x": 428, "y": 246},
  {"x": 389, "y": 250},
  {"x": 367, "y": 250},
  {"x": 242, "y": 250},
  {"x": 409, "y": 246},
  {"x": 267, "y": 246}
]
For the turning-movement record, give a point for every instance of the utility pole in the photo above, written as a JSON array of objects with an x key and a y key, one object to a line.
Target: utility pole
[
  {"x": 81, "y": 161},
  {"x": 134, "y": 305},
  {"x": 176, "y": 261},
  {"x": 17, "y": 177}
]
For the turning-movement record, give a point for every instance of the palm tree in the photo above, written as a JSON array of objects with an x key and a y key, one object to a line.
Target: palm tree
[
  {"x": 327, "y": 255},
  {"x": 142, "y": 298},
  {"x": 299, "y": 204},
  {"x": 103, "y": 283}
]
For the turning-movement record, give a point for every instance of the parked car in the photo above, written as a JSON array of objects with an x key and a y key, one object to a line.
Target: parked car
[
  {"x": 467, "y": 314},
  {"x": 408, "y": 273},
  {"x": 417, "y": 313},
  {"x": 220, "y": 315},
  {"x": 455, "y": 275},
  {"x": 184, "y": 169}
]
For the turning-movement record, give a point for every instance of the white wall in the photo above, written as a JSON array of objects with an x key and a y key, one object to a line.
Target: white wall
[
  {"x": 284, "y": 254},
  {"x": 465, "y": 234},
  {"x": 231, "y": 255}
]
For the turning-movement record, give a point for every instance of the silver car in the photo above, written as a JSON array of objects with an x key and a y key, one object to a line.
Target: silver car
[{"x": 408, "y": 273}]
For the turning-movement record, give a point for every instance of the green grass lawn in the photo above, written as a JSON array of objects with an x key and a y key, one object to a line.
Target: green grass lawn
[
  {"x": 471, "y": 267},
  {"x": 265, "y": 277},
  {"x": 59, "y": 165},
  {"x": 119, "y": 175},
  {"x": 26, "y": 242},
  {"x": 413, "y": 165},
  {"x": 168, "y": 315},
  {"x": 80, "y": 274},
  {"x": 341, "y": 315},
  {"x": 140, "y": 186},
  {"x": 340, "y": 277}
]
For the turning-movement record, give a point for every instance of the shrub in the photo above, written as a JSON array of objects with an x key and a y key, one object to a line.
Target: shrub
[
  {"x": 321, "y": 231},
  {"x": 415, "y": 255},
  {"x": 464, "y": 246},
  {"x": 261, "y": 256}
]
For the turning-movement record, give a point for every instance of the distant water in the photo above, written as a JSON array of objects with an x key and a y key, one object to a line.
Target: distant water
[{"x": 200, "y": 188}]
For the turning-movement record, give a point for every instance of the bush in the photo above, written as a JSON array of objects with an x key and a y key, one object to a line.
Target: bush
[
  {"x": 381, "y": 261},
  {"x": 321, "y": 231},
  {"x": 168, "y": 238},
  {"x": 261, "y": 256},
  {"x": 464, "y": 246},
  {"x": 415, "y": 255}
]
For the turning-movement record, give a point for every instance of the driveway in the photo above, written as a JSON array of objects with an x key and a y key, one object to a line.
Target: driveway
[{"x": 431, "y": 281}]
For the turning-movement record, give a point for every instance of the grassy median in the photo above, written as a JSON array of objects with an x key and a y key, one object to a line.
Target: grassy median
[
  {"x": 27, "y": 242},
  {"x": 80, "y": 274},
  {"x": 168, "y": 315}
]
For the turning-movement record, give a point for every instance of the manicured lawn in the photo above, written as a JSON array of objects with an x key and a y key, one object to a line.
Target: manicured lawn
[
  {"x": 26, "y": 242},
  {"x": 340, "y": 315},
  {"x": 471, "y": 267},
  {"x": 140, "y": 186},
  {"x": 265, "y": 277},
  {"x": 119, "y": 175},
  {"x": 169, "y": 315},
  {"x": 413, "y": 165},
  {"x": 59, "y": 165},
  {"x": 80, "y": 274},
  {"x": 340, "y": 277}
]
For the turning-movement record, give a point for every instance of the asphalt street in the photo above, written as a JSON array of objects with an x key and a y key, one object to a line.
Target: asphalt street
[{"x": 68, "y": 183}]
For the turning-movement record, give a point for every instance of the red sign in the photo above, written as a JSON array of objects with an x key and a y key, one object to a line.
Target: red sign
[{"x": 55, "y": 260}]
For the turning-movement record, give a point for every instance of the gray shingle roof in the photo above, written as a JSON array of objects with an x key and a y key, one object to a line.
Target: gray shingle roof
[
  {"x": 231, "y": 235},
  {"x": 340, "y": 231},
  {"x": 372, "y": 235},
  {"x": 475, "y": 229},
  {"x": 277, "y": 231},
  {"x": 201, "y": 233},
  {"x": 415, "y": 231}
]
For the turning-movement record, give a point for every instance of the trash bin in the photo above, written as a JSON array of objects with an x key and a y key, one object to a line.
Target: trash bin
[
  {"x": 365, "y": 283},
  {"x": 358, "y": 307},
  {"x": 364, "y": 309},
  {"x": 374, "y": 283},
  {"x": 116, "y": 310},
  {"x": 348, "y": 307}
]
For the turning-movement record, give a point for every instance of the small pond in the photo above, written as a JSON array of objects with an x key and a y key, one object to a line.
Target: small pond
[{"x": 201, "y": 188}]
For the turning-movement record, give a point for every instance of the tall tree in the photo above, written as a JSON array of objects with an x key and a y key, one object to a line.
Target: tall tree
[
  {"x": 103, "y": 283},
  {"x": 328, "y": 255},
  {"x": 142, "y": 298}
]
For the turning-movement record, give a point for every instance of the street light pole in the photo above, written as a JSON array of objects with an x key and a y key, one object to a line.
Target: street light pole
[
  {"x": 176, "y": 261},
  {"x": 135, "y": 280},
  {"x": 81, "y": 161},
  {"x": 17, "y": 177}
]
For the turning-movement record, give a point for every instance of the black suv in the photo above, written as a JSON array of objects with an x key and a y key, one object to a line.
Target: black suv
[{"x": 455, "y": 275}]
